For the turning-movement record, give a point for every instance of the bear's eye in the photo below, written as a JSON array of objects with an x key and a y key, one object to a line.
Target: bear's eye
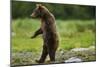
[{"x": 36, "y": 11}]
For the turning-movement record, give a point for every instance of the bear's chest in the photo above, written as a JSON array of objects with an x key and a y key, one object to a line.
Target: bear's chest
[{"x": 45, "y": 25}]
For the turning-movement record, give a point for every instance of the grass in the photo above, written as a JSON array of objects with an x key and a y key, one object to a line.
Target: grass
[{"x": 72, "y": 34}]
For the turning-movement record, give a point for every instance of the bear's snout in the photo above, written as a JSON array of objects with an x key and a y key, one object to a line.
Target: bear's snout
[{"x": 32, "y": 15}]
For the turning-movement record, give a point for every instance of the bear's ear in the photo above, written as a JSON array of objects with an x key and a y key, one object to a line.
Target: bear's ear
[{"x": 39, "y": 5}]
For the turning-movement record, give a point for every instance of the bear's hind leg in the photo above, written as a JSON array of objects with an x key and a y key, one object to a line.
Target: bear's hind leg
[
  {"x": 52, "y": 55},
  {"x": 44, "y": 55}
]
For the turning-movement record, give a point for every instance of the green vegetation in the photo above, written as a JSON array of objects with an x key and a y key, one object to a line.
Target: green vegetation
[
  {"x": 72, "y": 34},
  {"x": 22, "y": 9}
]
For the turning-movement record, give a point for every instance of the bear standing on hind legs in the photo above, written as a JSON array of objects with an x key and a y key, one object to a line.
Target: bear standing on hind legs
[{"x": 48, "y": 30}]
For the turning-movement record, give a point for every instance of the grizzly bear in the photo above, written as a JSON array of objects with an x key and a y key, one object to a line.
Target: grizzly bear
[{"x": 48, "y": 31}]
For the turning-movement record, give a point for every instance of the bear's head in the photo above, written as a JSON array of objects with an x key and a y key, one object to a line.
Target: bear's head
[{"x": 40, "y": 11}]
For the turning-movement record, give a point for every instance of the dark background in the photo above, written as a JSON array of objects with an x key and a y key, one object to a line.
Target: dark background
[{"x": 60, "y": 11}]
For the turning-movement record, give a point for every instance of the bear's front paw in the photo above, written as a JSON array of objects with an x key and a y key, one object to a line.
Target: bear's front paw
[{"x": 32, "y": 37}]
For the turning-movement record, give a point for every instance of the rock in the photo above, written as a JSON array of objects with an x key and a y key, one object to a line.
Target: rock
[
  {"x": 83, "y": 49},
  {"x": 92, "y": 47},
  {"x": 73, "y": 59},
  {"x": 80, "y": 49}
]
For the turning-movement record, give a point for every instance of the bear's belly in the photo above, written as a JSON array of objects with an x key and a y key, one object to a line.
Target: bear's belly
[{"x": 49, "y": 38}]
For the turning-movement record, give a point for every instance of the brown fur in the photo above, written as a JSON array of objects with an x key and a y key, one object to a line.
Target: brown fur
[{"x": 48, "y": 30}]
